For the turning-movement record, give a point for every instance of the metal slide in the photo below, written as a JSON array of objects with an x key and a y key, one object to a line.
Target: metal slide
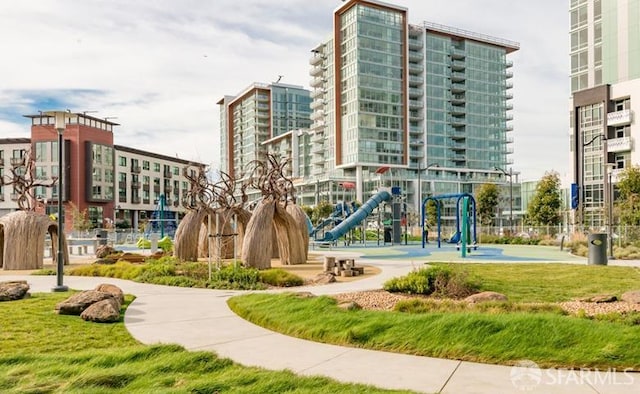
[{"x": 357, "y": 217}]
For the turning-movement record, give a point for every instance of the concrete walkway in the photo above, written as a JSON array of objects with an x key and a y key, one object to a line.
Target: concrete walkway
[{"x": 199, "y": 319}]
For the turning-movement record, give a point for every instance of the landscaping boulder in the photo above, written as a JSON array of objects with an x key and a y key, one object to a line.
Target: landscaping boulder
[
  {"x": 486, "y": 296},
  {"x": 349, "y": 305},
  {"x": 114, "y": 290},
  {"x": 105, "y": 311},
  {"x": 323, "y": 279},
  {"x": 104, "y": 250},
  {"x": 77, "y": 303},
  {"x": 304, "y": 294},
  {"x": 13, "y": 290},
  {"x": 632, "y": 296},
  {"x": 601, "y": 298}
]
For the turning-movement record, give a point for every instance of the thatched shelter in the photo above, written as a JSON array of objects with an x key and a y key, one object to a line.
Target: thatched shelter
[
  {"x": 222, "y": 240},
  {"x": 22, "y": 235},
  {"x": 290, "y": 243},
  {"x": 257, "y": 244},
  {"x": 301, "y": 220},
  {"x": 186, "y": 240}
]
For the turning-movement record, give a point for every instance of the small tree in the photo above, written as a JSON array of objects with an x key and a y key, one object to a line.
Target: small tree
[
  {"x": 487, "y": 197},
  {"x": 81, "y": 220},
  {"x": 544, "y": 208},
  {"x": 321, "y": 211},
  {"x": 628, "y": 204}
]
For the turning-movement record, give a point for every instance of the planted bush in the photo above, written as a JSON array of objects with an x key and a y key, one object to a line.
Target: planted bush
[
  {"x": 439, "y": 280},
  {"x": 280, "y": 278}
]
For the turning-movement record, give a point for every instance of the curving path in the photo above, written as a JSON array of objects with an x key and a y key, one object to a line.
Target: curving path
[{"x": 199, "y": 319}]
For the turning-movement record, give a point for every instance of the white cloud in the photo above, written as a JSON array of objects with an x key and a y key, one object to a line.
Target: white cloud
[{"x": 160, "y": 66}]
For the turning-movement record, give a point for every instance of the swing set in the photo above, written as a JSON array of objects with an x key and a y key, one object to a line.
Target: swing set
[{"x": 466, "y": 232}]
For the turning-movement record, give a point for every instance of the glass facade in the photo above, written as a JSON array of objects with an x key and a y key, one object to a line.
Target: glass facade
[{"x": 372, "y": 109}]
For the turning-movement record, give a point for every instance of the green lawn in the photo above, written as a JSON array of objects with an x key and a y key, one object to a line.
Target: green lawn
[
  {"x": 42, "y": 352},
  {"x": 495, "y": 335},
  {"x": 533, "y": 282}
]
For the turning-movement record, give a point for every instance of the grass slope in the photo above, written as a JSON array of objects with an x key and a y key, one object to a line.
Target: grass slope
[
  {"x": 43, "y": 352},
  {"x": 497, "y": 335}
]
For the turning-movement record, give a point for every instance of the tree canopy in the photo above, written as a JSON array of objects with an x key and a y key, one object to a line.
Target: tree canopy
[
  {"x": 544, "y": 208},
  {"x": 487, "y": 198},
  {"x": 628, "y": 202}
]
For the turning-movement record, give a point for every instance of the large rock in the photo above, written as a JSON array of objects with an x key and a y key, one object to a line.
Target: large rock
[
  {"x": 13, "y": 290},
  {"x": 486, "y": 296},
  {"x": 114, "y": 290},
  {"x": 105, "y": 311},
  {"x": 104, "y": 250},
  {"x": 600, "y": 298},
  {"x": 632, "y": 296},
  {"x": 323, "y": 278},
  {"x": 349, "y": 305},
  {"x": 77, "y": 303}
]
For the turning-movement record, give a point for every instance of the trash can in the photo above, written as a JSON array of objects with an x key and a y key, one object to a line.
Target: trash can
[
  {"x": 597, "y": 243},
  {"x": 101, "y": 235},
  {"x": 387, "y": 234}
]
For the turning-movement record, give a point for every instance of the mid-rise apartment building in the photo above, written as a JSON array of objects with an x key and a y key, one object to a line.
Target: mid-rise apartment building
[
  {"x": 259, "y": 114},
  {"x": 605, "y": 86},
  {"x": 111, "y": 182}
]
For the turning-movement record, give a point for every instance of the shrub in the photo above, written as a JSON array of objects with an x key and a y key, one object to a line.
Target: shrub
[
  {"x": 280, "y": 278},
  {"x": 235, "y": 277},
  {"x": 178, "y": 281},
  {"x": 439, "y": 280},
  {"x": 45, "y": 272}
]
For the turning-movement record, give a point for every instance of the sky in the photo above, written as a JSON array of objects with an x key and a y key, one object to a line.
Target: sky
[{"x": 158, "y": 67}]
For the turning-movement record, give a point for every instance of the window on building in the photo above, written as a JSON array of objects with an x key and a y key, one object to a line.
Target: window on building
[
  {"x": 54, "y": 151},
  {"x": 41, "y": 172},
  {"x": 96, "y": 150},
  {"x": 41, "y": 151},
  {"x": 95, "y": 216},
  {"x": 145, "y": 179},
  {"x": 156, "y": 167},
  {"x": 122, "y": 161},
  {"x": 145, "y": 165},
  {"x": 176, "y": 171}
]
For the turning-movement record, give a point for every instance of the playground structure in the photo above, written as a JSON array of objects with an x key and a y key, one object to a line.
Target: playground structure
[
  {"x": 465, "y": 235},
  {"x": 162, "y": 220},
  {"x": 341, "y": 211}
]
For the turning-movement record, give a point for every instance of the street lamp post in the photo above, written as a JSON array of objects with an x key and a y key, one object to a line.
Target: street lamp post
[
  {"x": 583, "y": 193},
  {"x": 510, "y": 175},
  {"x": 60, "y": 125}
]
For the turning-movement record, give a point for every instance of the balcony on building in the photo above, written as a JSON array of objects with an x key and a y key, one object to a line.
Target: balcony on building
[
  {"x": 17, "y": 161},
  {"x": 135, "y": 185},
  {"x": 136, "y": 169},
  {"x": 316, "y": 93},
  {"x": 416, "y": 80},
  {"x": 316, "y": 59},
  {"x": 168, "y": 174},
  {"x": 415, "y": 56},
  {"x": 458, "y": 99},
  {"x": 156, "y": 188},
  {"x": 623, "y": 144},
  {"x": 415, "y": 43},
  {"x": 457, "y": 76},
  {"x": 457, "y": 134},
  {"x": 1, "y": 162},
  {"x": 317, "y": 70},
  {"x": 263, "y": 97},
  {"x": 458, "y": 87},
  {"x": 415, "y": 103},
  {"x": 509, "y": 64},
  {"x": 415, "y": 68},
  {"x": 459, "y": 158},
  {"x": 620, "y": 118},
  {"x": 416, "y": 141},
  {"x": 135, "y": 200},
  {"x": 457, "y": 54},
  {"x": 315, "y": 115},
  {"x": 458, "y": 147},
  {"x": 316, "y": 104},
  {"x": 458, "y": 65},
  {"x": 457, "y": 110},
  {"x": 416, "y": 92},
  {"x": 317, "y": 82},
  {"x": 457, "y": 121}
]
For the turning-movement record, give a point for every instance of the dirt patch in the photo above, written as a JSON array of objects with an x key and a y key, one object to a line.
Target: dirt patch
[{"x": 314, "y": 266}]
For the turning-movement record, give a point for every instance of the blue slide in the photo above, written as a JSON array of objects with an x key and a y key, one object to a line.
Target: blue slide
[{"x": 357, "y": 217}]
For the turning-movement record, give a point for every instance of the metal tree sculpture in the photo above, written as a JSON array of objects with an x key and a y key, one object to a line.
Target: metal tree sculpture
[
  {"x": 25, "y": 182},
  {"x": 22, "y": 233},
  {"x": 277, "y": 191}
]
